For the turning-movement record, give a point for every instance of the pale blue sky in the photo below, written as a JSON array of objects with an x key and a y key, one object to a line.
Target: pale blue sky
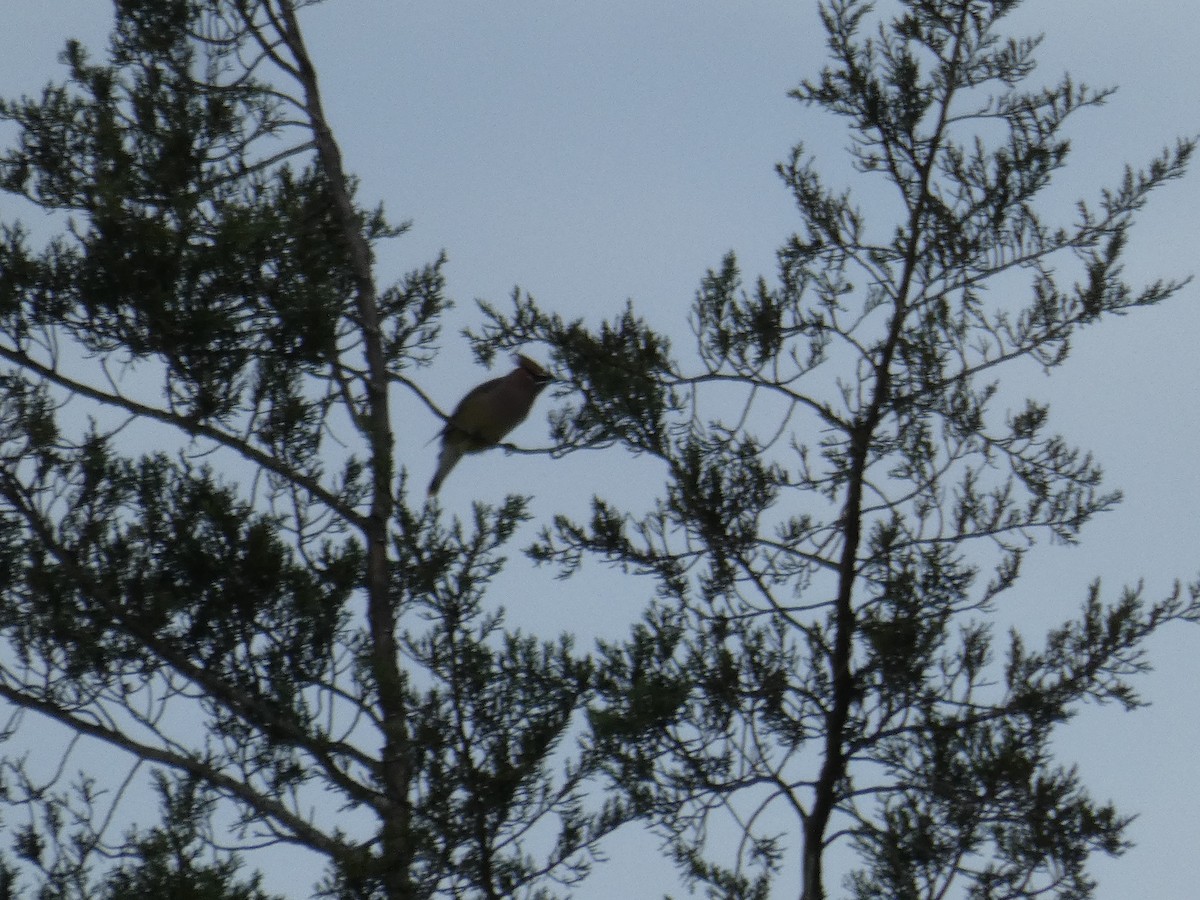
[{"x": 592, "y": 152}]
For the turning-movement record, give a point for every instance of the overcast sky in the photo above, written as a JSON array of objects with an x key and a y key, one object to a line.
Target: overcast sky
[{"x": 593, "y": 152}]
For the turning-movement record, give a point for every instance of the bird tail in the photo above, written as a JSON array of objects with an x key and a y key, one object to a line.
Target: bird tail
[{"x": 446, "y": 461}]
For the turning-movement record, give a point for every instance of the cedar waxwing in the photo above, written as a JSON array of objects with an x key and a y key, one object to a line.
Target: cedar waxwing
[{"x": 488, "y": 413}]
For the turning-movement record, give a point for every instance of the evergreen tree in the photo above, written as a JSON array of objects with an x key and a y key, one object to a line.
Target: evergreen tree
[
  {"x": 819, "y": 667},
  {"x": 259, "y": 613},
  {"x": 253, "y": 609}
]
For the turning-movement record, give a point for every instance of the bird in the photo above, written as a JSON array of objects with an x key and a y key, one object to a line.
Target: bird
[{"x": 487, "y": 413}]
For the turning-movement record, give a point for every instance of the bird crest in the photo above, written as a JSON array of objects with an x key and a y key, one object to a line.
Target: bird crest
[{"x": 533, "y": 367}]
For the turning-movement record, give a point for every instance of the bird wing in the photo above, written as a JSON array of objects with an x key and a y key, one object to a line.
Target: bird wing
[
  {"x": 477, "y": 393},
  {"x": 485, "y": 415}
]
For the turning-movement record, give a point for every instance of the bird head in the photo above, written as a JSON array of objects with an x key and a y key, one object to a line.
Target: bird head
[{"x": 537, "y": 374}]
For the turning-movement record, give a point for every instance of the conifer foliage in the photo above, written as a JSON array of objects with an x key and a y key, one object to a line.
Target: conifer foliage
[
  {"x": 820, "y": 668},
  {"x": 250, "y": 609},
  {"x": 215, "y": 585}
]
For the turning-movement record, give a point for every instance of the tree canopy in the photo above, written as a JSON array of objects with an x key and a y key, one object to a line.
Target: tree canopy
[{"x": 264, "y": 626}]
